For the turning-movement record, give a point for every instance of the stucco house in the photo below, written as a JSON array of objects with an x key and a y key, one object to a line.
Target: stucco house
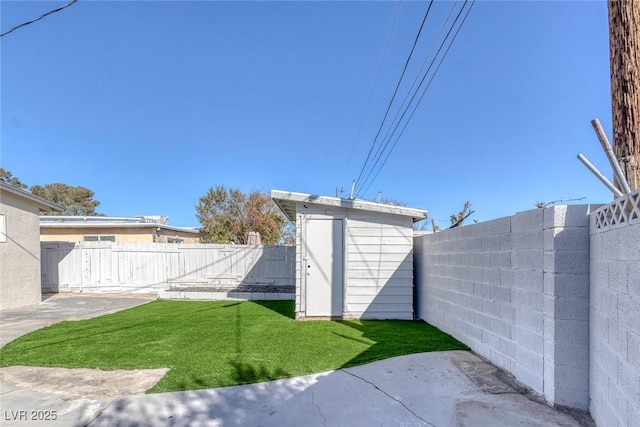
[
  {"x": 354, "y": 259},
  {"x": 142, "y": 229},
  {"x": 20, "y": 246}
]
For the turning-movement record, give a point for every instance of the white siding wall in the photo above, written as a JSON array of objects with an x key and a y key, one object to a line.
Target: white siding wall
[{"x": 378, "y": 265}]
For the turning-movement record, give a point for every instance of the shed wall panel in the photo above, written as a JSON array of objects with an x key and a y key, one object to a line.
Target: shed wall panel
[{"x": 378, "y": 262}]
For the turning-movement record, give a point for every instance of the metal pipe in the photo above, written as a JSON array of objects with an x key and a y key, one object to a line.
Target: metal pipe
[
  {"x": 353, "y": 188},
  {"x": 602, "y": 137},
  {"x": 598, "y": 175}
]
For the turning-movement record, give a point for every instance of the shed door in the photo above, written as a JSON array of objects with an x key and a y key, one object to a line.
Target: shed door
[{"x": 324, "y": 267}]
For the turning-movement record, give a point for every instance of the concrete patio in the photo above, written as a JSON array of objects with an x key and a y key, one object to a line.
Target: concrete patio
[{"x": 453, "y": 388}]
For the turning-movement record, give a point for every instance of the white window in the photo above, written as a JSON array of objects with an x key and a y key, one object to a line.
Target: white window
[
  {"x": 3, "y": 229},
  {"x": 99, "y": 238},
  {"x": 174, "y": 240}
]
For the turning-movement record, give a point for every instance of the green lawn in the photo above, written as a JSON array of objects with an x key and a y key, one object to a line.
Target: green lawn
[{"x": 213, "y": 344}]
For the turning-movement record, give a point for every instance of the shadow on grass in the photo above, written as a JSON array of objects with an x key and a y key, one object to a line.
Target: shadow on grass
[
  {"x": 246, "y": 373},
  {"x": 392, "y": 338},
  {"x": 384, "y": 338},
  {"x": 283, "y": 308}
]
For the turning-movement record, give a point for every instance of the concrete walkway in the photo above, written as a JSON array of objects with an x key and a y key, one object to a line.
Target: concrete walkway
[
  {"x": 55, "y": 308},
  {"x": 443, "y": 389}
]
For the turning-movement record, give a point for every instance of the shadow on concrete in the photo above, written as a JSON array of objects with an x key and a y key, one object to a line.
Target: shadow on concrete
[{"x": 419, "y": 390}]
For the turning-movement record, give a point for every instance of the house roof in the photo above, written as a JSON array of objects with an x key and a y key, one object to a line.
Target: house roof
[
  {"x": 42, "y": 204},
  {"x": 93, "y": 222},
  {"x": 287, "y": 201}
]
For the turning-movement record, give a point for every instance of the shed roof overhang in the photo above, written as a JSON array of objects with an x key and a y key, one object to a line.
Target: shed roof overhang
[{"x": 287, "y": 202}]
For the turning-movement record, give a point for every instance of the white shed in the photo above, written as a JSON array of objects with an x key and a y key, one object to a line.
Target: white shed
[{"x": 354, "y": 259}]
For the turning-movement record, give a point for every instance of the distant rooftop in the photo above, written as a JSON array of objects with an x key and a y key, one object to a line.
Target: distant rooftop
[
  {"x": 43, "y": 204},
  {"x": 68, "y": 221},
  {"x": 147, "y": 219}
]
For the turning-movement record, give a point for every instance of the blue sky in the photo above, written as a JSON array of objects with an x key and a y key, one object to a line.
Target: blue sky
[{"x": 150, "y": 103}]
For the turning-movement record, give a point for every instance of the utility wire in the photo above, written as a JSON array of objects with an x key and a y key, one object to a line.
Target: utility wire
[
  {"x": 375, "y": 85},
  {"x": 421, "y": 96},
  {"x": 389, "y": 134},
  {"x": 395, "y": 92},
  {"x": 386, "y": 144},
  {"x": 38, "y": 18}
]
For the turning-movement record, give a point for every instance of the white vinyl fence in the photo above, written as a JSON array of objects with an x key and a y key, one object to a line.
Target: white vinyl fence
[{"x": 153, "y": 267}]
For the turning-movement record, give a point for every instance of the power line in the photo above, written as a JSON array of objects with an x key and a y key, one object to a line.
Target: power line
[
  {"x": 395, "y": 91},
  {"x": 421, "y": 96},
  {"x": 423, "y": 93},
  {"x": 38, "y": 18},
  {"x": 375, "y": 84},
  {"x": 393, "y": 129},
  {"x": 411, "y": 90}
]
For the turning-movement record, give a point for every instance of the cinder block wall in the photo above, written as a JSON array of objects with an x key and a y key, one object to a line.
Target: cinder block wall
[
  {"x": 615, "y": 313},
  {"x": 516, "y": 290}
]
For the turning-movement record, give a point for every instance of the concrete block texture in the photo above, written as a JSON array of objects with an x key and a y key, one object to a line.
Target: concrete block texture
[
  {"x": 501, "y": 327},
  {"x": 500, "y": 225},
  {"x": 530, "y": 319},
  {"x": 569, "y": 285},
  {"x": 614, "y": 325},
  {"x": 571, "y": 309},
  {"x": 530, "y": 379},
  {"x": 528, "y": 239},
  {"x": 568, "y": 216},
  {"x": 566, "y": 238},
  {"x": 500, "y": 259},
  {"x": 481, "y": 259},
  {"x": 570, "y": 261},
  {"x": 629, "y": 313},
  {"x": 491, "y": 276},
  {"x": 529, "y": 279},
  {"x": 527, "y": 220},
  {"x": 506, "y": 242},
  {"x": 633, "y": 278},
  {"x": 481, "y": 229},
  {"x": 526, "y": 290},
  {"x": 617, "y": 280},
  {"x": 529, "y": 340},
  {"x": 490, "y": 243},
  {"x": 528, "y": 259},
  {"x": 527, "y": 299}
]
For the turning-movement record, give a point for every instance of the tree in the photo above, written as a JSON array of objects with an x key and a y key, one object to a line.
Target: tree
[
  {"x": 420, "y": 225},
  {"x": 74, "y": 200},
  {"x": 624, "y": 47},
  {"x": 9, "y": 178},
  {"x": 458, "y": 219},
  {"x": 228, "y": 215},
  {"x": 390, "y": 201}
]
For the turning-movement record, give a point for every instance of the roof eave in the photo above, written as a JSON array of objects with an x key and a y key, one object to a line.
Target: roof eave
[
  {"x": 43, "y": 204},
  {"x": 116, "y": 225},
  {"x": 281, "y": 197}
]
